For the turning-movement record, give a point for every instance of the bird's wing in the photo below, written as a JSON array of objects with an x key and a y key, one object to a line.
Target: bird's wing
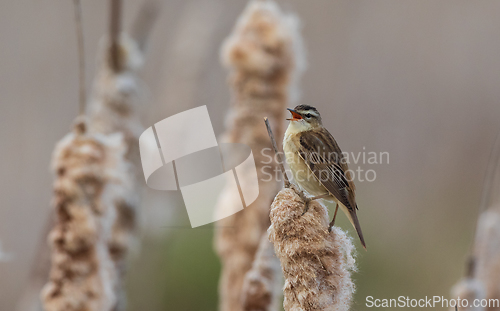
[{"x": 322, "y": 155}]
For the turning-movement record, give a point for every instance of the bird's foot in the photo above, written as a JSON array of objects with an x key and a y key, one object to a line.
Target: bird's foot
[
  {"x": 298, "y": 191},
  {"x": 305, "y": 198},
  {"x": 308, "y": 200},
  {"x": 302, "y": 196},
  {"x": 306, "y": 205}
]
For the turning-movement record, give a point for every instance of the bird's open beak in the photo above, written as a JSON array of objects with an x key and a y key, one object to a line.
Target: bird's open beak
[{"x": 295, "y": 115}]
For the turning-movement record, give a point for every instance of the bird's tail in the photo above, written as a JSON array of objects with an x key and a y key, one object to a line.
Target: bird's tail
[{"x": 353, "y": 218}]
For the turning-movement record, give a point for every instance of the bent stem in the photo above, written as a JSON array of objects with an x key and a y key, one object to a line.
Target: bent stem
[{"x": 278, "y": 155}]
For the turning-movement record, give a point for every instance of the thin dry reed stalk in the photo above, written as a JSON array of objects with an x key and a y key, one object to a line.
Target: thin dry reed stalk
[
  {"x": 88, "y": 170},
  {"x": 317, "y": 264},
  {"x": 30, "y": 298},
  {"x": 263, "y": 55}
]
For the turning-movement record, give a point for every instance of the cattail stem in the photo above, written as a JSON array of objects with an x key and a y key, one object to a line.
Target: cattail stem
[
  {"x": 143, "y": 23},
  {"x": 278, "y": 154},
  {"x": 280, "y": 161},
  {"x": 81, "y": 55},
  {"x": 114, "y": 34}
]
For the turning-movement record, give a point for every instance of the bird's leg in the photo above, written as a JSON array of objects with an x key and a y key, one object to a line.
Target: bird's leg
[
  {"x": 308, "y": 200},
  {"x": 302, "y": 195},
  {"x": 333, "y": 220}
]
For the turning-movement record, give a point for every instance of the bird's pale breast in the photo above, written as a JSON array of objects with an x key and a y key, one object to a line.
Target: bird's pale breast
[{"x": 302, "y": 175}]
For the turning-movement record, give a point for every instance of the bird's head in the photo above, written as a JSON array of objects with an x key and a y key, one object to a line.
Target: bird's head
[{"x": 305, "y": 116}]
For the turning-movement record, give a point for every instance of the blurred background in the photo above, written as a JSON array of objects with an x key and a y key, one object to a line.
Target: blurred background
[{"x": 418, "y": 79}]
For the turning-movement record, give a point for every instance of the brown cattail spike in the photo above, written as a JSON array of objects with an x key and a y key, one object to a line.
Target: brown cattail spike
[
  {"x": 263, "y": 56},
  {"x": 88, "y": 171},
  {"x": 317, "y": 264}
]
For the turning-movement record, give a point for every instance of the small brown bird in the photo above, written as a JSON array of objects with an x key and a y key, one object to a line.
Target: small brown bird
[{"x": 317, "y": 163}]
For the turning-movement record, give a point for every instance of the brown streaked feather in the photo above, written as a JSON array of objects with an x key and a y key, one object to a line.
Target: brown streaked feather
[{"x": 323, "y": 156}]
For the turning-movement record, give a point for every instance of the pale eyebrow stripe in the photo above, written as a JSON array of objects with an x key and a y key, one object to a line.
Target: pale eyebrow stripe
[{"x": 314, "y": 113}]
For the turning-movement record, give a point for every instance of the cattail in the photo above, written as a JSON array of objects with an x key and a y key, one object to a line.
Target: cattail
[
  {"x": 113, "y": 109},
  {"x": 468, "y": 289},
  {"x": 88, "y": 170},
  {"x": 263, "y": 55},
  {"x": 262, "y": 284},
  {"x": 97, "y": 190},
  {"x": 487, "y": 255},
  {"x": 481, "y": 283},
  {"x": 317, "y": 264},
  {"x": 116, "y": 93}
]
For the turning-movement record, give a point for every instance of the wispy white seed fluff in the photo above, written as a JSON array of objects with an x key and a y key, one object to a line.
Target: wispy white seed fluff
[{"x": 468, "y": 289}]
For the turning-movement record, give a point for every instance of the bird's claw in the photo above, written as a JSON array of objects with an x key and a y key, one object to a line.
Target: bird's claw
[
  {"x": 331, "y": 225},
  {"x": 306, "y": 208},
  {"x": 302, "y": 195}
]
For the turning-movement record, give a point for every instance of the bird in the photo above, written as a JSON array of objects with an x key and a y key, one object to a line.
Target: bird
[{"x": 318, "y": 165}]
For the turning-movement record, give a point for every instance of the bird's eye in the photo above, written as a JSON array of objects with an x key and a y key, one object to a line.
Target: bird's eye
[{"x": 308, "y": 115}]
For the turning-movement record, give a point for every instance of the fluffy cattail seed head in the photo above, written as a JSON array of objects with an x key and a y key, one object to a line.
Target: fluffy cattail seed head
[{"x": 317, "y": 264}]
